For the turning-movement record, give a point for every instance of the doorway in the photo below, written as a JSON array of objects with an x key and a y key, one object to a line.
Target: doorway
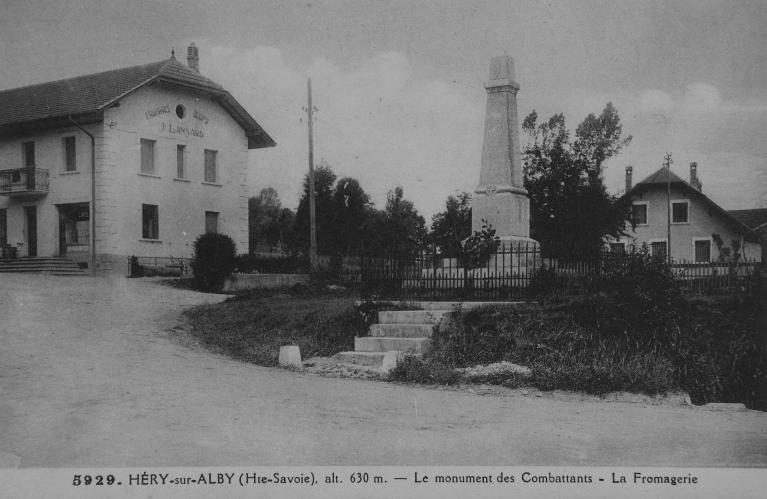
[
  {"x": 74, "y": 228},
  {"x": 31, "y": 217}
]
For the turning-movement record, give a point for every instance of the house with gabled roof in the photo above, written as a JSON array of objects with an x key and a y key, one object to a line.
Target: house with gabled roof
[
  {"x": 136, "y": 161},
  {"x": 756, "y": 220},
  {"x": 663, "y": 205}
]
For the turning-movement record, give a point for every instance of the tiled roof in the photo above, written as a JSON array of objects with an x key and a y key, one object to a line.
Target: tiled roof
[
  {"x": 662, "y": 176},
  {"x": 93, "y": 93},
  {"x": 751, "y": 218}
]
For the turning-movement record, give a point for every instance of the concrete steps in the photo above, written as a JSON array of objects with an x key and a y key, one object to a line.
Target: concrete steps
[
  {"x": 398, "y": 332},
  {"x": 38, "y": 265}
]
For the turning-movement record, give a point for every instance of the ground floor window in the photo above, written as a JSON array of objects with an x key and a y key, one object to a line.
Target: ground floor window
[
  {"x": 702, "y": 251},
  {"x": 74, "y": 227},
  {"x": 658, "y": 249},
  {"x": 149, "y": 221},
  {"x": 211, "y": 222}
]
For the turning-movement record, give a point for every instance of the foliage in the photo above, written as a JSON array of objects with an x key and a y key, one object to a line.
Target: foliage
[
  {"x": 324, "y": 211},
  {"x": 638, "y": 334},
  {"x": 269, "y": 224},
  {"x": 213, "y": 261},
  {"x": 479, "y": 247},
  {"x": 429, "y": 371},
  {"x": 351, "y": 217},
  {"x": 400, "y": 231},
  {"x": 252, "y": 327},
  {"x": 571, "y": 212},
  {"x": 450, "y": 227}
]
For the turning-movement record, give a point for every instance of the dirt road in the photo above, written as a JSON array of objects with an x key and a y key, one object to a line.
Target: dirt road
[{"x": 91, "y": 373}]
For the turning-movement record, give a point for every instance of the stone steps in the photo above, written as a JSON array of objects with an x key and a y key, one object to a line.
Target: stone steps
[
  {"x": 48, "y": 265},
  {"x": 399, "y": 332},
  {"x": 383, "y": 344},
  {"x": 402, "y": 330}
]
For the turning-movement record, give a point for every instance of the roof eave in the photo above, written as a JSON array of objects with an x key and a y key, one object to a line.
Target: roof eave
[{"x": 48, "y": 122}]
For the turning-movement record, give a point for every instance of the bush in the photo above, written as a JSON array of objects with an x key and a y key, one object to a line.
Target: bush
[
  {"x": 213, "y": 261},
  {"x": 279, "y": 264},
  {"x": 428, "y": 371}
]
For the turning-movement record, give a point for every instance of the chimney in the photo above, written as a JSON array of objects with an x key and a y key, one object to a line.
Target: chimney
[
  {"x": 192, "y": 57},
  {"x": 629, "y": 171},
  {"x": 694, "y": 181}
]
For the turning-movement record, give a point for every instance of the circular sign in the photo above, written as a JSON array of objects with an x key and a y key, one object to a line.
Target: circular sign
[{"x": 490, "y": 190}]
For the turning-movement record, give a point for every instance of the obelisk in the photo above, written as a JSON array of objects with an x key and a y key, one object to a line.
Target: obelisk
[{"x": 500, "y": 199}]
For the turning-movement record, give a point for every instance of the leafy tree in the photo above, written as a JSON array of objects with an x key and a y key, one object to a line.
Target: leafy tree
[
  {"x": 402, "y": 230},
  {"x": 324, "y": 178},
  {"x": 571, "y": 211},
  {"x": 351, "y": 213},
  {"x": 264, "y": 225},
  {"x": 451, "y": 227}
]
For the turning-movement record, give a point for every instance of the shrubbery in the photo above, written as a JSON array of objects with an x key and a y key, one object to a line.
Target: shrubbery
[
  {"x": 213, "y": 261},
  {"x": 638, "y": 334}
]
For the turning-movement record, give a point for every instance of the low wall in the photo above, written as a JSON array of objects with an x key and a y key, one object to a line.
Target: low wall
[{"x": 264, "y": 281}]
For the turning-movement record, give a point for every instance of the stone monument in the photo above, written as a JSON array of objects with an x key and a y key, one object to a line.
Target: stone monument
[{"x": 501, "y": 198}]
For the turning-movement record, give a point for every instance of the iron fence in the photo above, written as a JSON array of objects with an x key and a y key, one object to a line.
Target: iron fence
[{"x": 521, "y": 272}]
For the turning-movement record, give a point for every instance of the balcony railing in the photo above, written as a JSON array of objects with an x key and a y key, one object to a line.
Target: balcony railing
[{"x": 29, "y": 180}]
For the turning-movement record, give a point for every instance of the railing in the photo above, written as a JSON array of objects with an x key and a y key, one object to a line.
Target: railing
[
  {"x": 519, "y": 272},
  {"x": 30, "y": 180}
]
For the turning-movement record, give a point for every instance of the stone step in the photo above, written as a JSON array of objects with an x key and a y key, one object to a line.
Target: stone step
[
  {"x": 383, "y": 344},
  {"x": 402, "y": 330},
  {"x": 411, "y": 316}
]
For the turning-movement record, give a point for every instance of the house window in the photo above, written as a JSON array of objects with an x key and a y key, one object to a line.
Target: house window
[
  {"x": 149, "y": 221},
  {"x": 211, "y": 222},
  {"x": 210, "y": 166},
  {"x": 702, "y": 251},
  {"x": 28, "y": 154},
  {"x": 70, "y": 154},
  {"x": 147, "y": 156},
  {"x": 658, "y": 249},
  {"x": 180, "y": 151},
  {"x": 679, "y": 212},
  {"x": 618, "y": 248},
  {"x": 639, "y": 213}
]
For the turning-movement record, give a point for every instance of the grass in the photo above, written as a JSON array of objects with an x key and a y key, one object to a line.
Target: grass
[{"x": 252, "y": 327}]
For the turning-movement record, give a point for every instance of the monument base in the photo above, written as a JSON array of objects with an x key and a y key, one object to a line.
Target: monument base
[{"x": 506, "y": 212}]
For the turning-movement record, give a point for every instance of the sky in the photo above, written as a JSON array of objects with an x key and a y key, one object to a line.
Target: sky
[{"x": 399, "y": 84}]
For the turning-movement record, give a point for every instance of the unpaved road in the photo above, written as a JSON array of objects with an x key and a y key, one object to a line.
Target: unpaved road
[{"x": 91, "y": 374}]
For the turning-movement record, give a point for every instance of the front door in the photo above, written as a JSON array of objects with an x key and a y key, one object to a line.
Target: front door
[{"x": 31, "y": 213}]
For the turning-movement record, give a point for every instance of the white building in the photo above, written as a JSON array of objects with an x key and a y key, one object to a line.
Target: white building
[{"x": 135, "y": 161}]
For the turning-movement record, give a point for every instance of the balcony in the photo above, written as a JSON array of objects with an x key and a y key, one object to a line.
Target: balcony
[{"x": 24, "y": 181}]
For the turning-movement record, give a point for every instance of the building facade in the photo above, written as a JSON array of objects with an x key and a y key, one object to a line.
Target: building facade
[
  {"x": 136, "y": 161},
  {"x": 700, "y": 230}
]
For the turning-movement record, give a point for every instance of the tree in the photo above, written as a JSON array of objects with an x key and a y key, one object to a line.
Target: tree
[
  {"x": 324, "y": 179},
  {"x": 571, "y": 211},
  {"x": 402, "y": 230},
  {"x": 351, "y": 212},
  {"x": 264, "y": 227},
  {"x": 452, "y": 226}
]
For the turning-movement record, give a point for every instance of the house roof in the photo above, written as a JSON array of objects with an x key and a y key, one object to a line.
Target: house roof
[
  {"x": 753, "y": 219},
  {"x": 86, "y": 97},
  {"x": 662, "y": 177}
]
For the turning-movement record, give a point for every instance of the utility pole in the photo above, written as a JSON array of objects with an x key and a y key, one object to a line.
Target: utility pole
[
  {"x": 667, "y": 163},
  {"x": 312, "y": 221}
]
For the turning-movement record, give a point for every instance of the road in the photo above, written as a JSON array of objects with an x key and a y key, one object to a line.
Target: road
[{"x": 94, "y": 372}]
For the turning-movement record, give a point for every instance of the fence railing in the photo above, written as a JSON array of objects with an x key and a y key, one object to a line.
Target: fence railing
[{"x": 520, "y": 271}]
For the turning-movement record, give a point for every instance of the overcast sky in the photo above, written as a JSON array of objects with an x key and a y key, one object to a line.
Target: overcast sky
[{"x": 399, "y": 87}]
